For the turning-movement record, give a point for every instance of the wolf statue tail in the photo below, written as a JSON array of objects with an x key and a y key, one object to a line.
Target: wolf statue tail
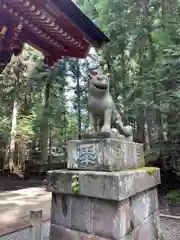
[{"x": 118, "y": 124}]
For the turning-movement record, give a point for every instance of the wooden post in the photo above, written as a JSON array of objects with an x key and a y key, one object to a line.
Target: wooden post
[{"x": 36, "y": 221}]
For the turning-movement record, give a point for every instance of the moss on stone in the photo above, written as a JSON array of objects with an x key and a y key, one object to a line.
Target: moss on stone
[{"x": 149, "y": 170}]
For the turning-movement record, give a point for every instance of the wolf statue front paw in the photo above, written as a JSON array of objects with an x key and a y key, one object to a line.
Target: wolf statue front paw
[
  {"x": 115, "y": 134},
  {"x": 106, "y": 129}
]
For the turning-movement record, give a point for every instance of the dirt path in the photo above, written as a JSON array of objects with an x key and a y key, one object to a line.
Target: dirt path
[{"x": 16, "y": 205}]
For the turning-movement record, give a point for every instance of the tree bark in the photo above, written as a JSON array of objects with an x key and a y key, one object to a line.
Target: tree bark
[
  {"x": 12, "y": 160},
  {"x": 146, "y": 137},
  {"x": 44, "y": 130},
  {"x": 140, "y": 121}
]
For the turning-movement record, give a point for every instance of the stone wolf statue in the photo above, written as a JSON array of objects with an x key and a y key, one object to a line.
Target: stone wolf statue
[{"x": 102, "y": 110}]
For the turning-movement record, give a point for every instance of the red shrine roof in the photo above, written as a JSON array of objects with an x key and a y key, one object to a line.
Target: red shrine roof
[{"x": 55, "y": 27}]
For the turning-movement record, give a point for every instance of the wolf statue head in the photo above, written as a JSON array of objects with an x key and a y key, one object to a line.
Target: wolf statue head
[{"x": 99, "y": 82}]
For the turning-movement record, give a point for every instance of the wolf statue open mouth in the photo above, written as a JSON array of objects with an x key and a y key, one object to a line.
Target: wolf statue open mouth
[{"x": 101, "y": 87}]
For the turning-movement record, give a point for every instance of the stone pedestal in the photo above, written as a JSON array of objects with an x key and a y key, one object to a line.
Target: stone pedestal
[
  {"x": 108, "y": 206},
  {"x": 105, "y": 154}
]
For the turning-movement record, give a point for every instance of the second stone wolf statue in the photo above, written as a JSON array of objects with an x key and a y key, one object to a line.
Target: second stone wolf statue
[{"x": 102, "y": 109}]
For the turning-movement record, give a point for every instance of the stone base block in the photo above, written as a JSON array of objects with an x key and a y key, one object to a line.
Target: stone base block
[
  {"x": 149, "y": 229},
  {"x": 108, "y": 225},
  {"x": 105, "y": 154},
  {"x": 109, "y": 205},
  {"x": 93, "y": 216},
  {"x": 105, "y": 185},
  {"x": 62, "y": 233},
  {"x": 119, "y": 205},
  {"x": 107, "y": 219},
  {"x": 146, "y": 231}
]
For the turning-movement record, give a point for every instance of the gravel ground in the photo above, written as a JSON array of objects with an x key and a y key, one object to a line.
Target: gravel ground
[{"x": 170, "y": 228}]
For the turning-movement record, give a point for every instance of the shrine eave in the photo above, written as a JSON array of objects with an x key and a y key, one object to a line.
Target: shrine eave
[
  {"x": 57, "y": 28},
  {"x": 81, "y": 20}
]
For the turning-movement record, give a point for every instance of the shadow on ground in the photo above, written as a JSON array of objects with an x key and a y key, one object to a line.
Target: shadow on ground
[{"x": 11, "y": 183}]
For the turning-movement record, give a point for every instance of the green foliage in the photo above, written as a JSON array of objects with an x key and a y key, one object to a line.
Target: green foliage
[
  {"x": 174, "y": 197},
  {"x": 40, "y": 96},
  {"x": 25, "y": 127}
]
